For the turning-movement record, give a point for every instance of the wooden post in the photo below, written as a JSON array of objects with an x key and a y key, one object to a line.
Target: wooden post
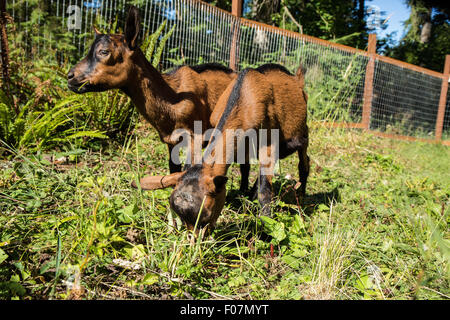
[
  {"x": 368, "y": 84},
  {"x": 443, "y": 99},
  {"x": 236, "y": 10}
]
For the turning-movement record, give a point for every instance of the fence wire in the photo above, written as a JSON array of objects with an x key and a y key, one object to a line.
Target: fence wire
[
  {"x": 446, "y": 125},
  {"x": 404, "y": 101}
]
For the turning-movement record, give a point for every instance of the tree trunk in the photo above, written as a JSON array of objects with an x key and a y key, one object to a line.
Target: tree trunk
[
  {"x": 262, "y": 10},
  {"x": 5, "y": 54},
  {"x": 361, "y": 11},
  {"x": 425, "y": 34}
]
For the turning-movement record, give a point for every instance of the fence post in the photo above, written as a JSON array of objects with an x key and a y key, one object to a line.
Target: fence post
[
  {"x": 443, "y": 99},
  {"x": 236, "y": 10},
  {"x": 368, "y": 84}
]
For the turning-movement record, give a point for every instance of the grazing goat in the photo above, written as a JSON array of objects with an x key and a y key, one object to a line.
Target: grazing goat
[
  {"x": 269, "y": 98},
  {"x": 168, "y": 101}
]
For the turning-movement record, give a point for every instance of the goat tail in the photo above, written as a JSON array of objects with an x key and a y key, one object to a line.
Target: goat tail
[{"x": 300, "y": 74}]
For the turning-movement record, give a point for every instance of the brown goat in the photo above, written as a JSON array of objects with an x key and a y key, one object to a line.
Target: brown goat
[
  {"x": 268, "y": 97},
  {"x": 168, "y": 101}
]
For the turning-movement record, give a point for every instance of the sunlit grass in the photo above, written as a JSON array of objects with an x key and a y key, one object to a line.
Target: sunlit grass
[{"x": 374, "y": 225}]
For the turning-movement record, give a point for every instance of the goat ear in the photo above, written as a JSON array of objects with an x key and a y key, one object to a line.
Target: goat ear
[
  {"x": 219, "y": 182},
  {"x": 132, "y": 27},
  {"x": 158, "y": 182},
  {"x": 97, "y": 33}
]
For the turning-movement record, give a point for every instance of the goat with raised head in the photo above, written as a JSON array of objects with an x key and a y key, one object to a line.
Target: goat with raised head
[
  {"x": 168, "y": 101},
  {"x": 268, "y": 98}
]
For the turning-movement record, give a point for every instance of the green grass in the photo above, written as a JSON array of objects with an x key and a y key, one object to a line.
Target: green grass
[{"x": 374, "y": 225}]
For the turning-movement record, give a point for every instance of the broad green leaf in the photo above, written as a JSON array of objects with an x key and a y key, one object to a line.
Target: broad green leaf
[
  {"x": 274, "y": 228},
  {"x": 128, "y": 214},
  {"x": 3, "y": 256}
]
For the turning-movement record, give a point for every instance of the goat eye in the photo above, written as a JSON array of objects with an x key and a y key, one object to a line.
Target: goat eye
[{"x": 104, "y": 52}]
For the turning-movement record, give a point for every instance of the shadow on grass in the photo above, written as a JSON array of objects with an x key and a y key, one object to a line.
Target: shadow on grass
[{"x": 283, "y": 190}]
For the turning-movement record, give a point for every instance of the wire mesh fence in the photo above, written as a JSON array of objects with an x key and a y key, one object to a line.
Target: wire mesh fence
[
  {"x": 404, "y": 99},
  {"x": 446, "y": 124}
]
